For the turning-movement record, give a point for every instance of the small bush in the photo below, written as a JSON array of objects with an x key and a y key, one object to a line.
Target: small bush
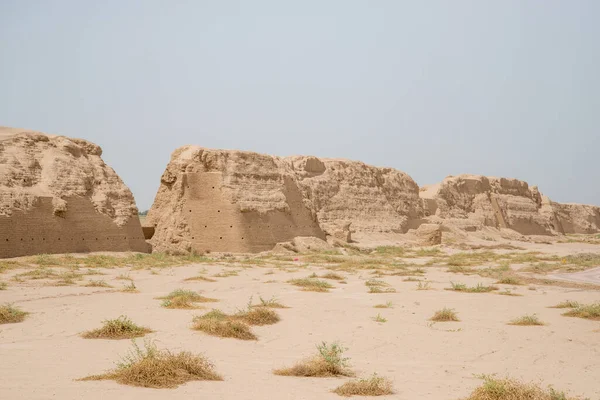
[
  {"x": 154, "y": 368},
  {"x": 461, "y": 287},
  {"x": 333, "y": 276},
  {"x": 270, "y": 303},
  {"x": 509, "y": 389},
  {"x": 445, "y": 315},
  {"x": 510, "y": 280},
  {"x": 567, "y": 304},
  {"x": 257, "y": 316},
  {"x": 423, "y": 286},
  {"x": 217, "y": 323},
  {"x": 312, "y": 284},
  {"x": 10, "y": 314},
  {"x": 184, "y": 299},
  {"x": 3, "y": 285},
  {"x": 389, "y": 304},
  {"x": 200, "y": 278},
  {"x": 329, "y": 362},
  {"x": 97, "y": 283},
  {"x": 131, "y": 288},
  {"x": 374, "y": 386},
  {"x": 589, "y": 311},
  {"x": 526, "y": 320},
  {"x": 379, "y": 318},
  {"x": 119, "y": 328}
]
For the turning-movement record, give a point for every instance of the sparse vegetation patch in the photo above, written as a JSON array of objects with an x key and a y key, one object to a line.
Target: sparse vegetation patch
[
  {"x": 461, "y": 287},
  {"x": 119, "y": 328},
  {"x": 445, "y": 315},
  {"x": 217, "y": 323},
  {"x": 510, "y": 389},
  {"x": 589, "y": 311},
  {"x": 154, "y": 368},
  {"x": 184, "y": 299},
  {"x": 10, "y": 314},
  {"x": 328, "y": 362},
  {"x": 311, "y": 284},
  {"x": 526, "y": 320},
  {"x": 373, "y": 386}
]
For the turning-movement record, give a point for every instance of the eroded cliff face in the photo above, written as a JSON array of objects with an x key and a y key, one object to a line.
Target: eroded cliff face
[
  {"x": 222, "y": 200},
  {"x": 65, "y": 183},
  {"x": 474, "y": 201}
]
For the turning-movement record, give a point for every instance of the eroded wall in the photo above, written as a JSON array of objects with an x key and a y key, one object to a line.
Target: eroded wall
[
  {"x": 215, "y": 223},
  {"x": 80, "y": 229}
]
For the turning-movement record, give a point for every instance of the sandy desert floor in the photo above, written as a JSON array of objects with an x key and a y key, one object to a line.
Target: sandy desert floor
[{"x": 43, "y": 356}]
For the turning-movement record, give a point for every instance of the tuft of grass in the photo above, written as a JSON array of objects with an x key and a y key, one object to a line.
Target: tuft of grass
[
  {"x": 510, "y": 389},
  {"x": 461, "y": 287},
  {"x": 10, "y": 314},
  {"x": 507, "y": 292},
  {"x": 445, "y": 315},
  {"x": 379, "y": 289},
  {"x": 124, "y": 277},
  {"x": 567, "y": 304},
  {"x": 428, "y": 252},
  {"x": 411, "y": 279},
  {"x": 333, "y": 276},
  {"x": 423, "y": 286},
  {"x": 119, "y": 328},
  {"x": 389, "y": 304},
  {"x": 312, "y": 284},
  {"x": 131, "y": 288},
  {"x": 269, "y": 303},
  {"x": 154, "y": 368},
  {"x": 459, "y": 269},
  {"x": 379, "y": 318},
  {"x": 527, "y": 320},
  {"x": 200, "y": 278},
  {"x": 217, "y": 323},
  {"x": 328, "y": 362},
  {"x": 97, "y": 283},
  {"x": 257, "y": 316},
  {"x": 510, "y": 280},
  {"x": 589, "y": 311},
  {"x": 373, "y": 386},
  {"x": 184, "y": 299},
  {"x": 3, "y": 285},
  {"x": 226, "y": 274},
  {"x": 391, "y": 251}
]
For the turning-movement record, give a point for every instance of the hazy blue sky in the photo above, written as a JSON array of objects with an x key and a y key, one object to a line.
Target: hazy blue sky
[{"x": 433, "y": 88}]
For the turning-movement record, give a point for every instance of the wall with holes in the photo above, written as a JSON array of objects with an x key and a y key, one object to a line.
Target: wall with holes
[
  {"x": 217, "y": 224},
  {"x": 81, "y": 230}
]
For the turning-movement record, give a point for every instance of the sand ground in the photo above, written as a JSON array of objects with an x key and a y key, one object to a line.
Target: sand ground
[{"x": 42, "y": 357}]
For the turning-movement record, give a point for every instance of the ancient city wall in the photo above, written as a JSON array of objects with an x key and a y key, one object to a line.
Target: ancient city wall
[
  {"x": 57, "y": 196},
  {"x": 80, "y": 230}
]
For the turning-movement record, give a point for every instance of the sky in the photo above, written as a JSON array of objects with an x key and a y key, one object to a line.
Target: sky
[{"x": 433, "y": 88}]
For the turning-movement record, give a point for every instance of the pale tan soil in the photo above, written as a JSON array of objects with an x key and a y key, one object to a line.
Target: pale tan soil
[{"x": 43, "y": 356}]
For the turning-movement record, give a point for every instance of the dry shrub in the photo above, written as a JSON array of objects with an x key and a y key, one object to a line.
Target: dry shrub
[
  {"x": 526, "y": 320},
  {"x": 97, "y": 283},
  {"x": 329, "y": 362},
  {"x": 589, "y": 311},
  {"x": 510, "y": 280},
  {"x": 461, "y": 287},
  {"x": 389, "y": 304},
  {"x": 200, "y": 278},
  {"x": 184, "y": 299},
  {"x": 445, "y": 315},
  {"x": 333, "y": 276},
  {"x": 374, "y": 386},
  {"x": 567, "y": 304},
  {"x": 217, "y": 323},
  {"x": 10, "y": 314},
  {"x": 154, "y": 368},
  {"x": 3, "y": 285},
  {"x": 510, "y": 389},
  {"x": 119, "y": 328},
  {"x": 270, "y": 303},
  {"x": 257, "y": 316},
  {"x": 312, "y": 284}
]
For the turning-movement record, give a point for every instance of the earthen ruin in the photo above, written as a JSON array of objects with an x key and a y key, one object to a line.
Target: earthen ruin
[
  {"x": 58, "y": 196},
  {"x": 237, "y": 201}
]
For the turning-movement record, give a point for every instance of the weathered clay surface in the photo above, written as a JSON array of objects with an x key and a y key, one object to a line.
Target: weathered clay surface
[
  {"x": 474, "y": 201},
  {"x": 217, "y": 200},
  {"x": 73, "y": 194}
]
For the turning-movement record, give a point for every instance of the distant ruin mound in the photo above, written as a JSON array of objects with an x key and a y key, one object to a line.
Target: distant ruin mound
[
  {"x": 58, "y": 196},
  {"x": 474, "y": 201}
]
